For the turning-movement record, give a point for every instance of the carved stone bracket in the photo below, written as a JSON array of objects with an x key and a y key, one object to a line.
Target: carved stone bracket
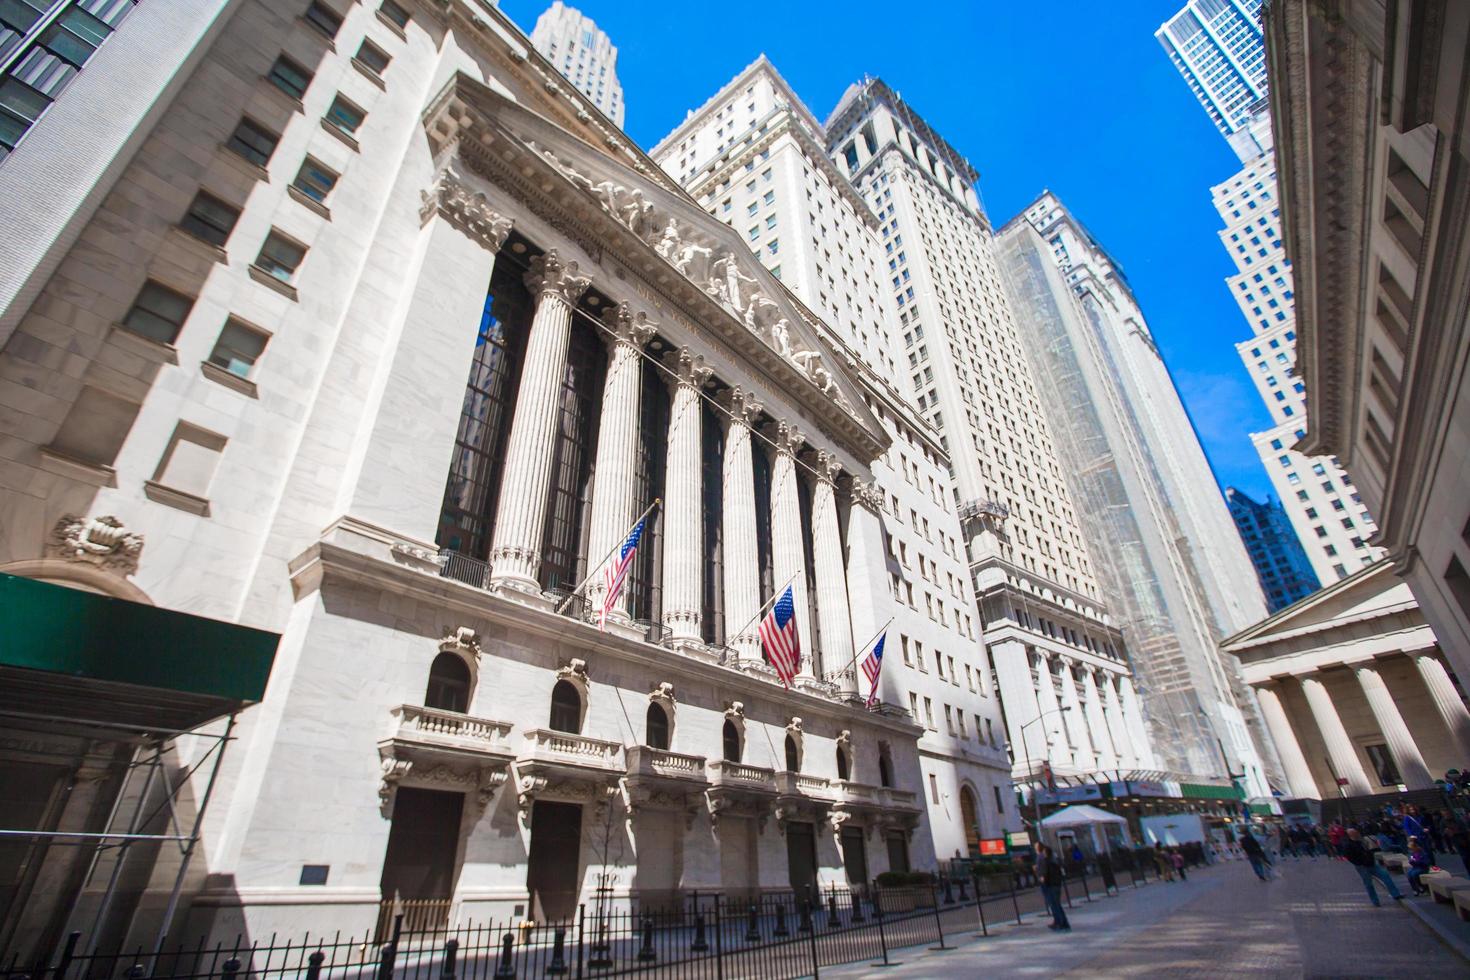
[
  {"x": 100, "y": 541},
  {"x": 866, "y": 495},
  {"x": 463, "y": 641},
  {"x": 465, "y": 208}
]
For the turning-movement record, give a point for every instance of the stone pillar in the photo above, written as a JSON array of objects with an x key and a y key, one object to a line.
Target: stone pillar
[
  {"x": 832, "y": 605},
  {"x": 1298, "y": 774},
  {"x": 1401, "y": 744},
  {"x": 869, "y": 598},
  {"x": 1113, "y": 710},
  {"x": 521, "y": 516},
  {"x": 1076, "y": 722},
  {"x": 1137, "y": 730},
  {"x": 1446, "y": 700},
  {"x": 408, "y": 446},
  {"x": 1339, "y": 746},
  {"x": 613, "y": 506},
  {"x": 683, "y": 483},
  {"x": 742, "y": 582},
  {"x": 788, "y": 537},
  {"x": 1107, "y": 754},
  {"x": 1051, "y": 711},
  {"x": 1018, "y": 694}
]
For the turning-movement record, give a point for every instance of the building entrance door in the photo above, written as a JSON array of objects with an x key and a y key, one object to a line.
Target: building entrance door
[
  {"x": 801, "y": 856},
  {"x": 423, "y": 846},
  {"x": 552, "y": 867},
  {"x": 855, "y": 855}
]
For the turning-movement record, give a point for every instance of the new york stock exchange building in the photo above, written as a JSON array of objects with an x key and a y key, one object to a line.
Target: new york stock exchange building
[{"x": 393, "y": 390}]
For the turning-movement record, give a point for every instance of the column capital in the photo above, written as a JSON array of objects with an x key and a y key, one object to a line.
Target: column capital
[
  {"x": 551, "y": 277},
  {"x": 788, "y": 438},
  {"x": 1067, "y": 660},
  {"x": 743, "y": 407},
  {"x": 866, "y": 495},
  {"x": 466, "y": 209},
  {"x": 627, "y": 327},
  {"x": 829, "y": 467},
  {"x": 689, "y": 368}
]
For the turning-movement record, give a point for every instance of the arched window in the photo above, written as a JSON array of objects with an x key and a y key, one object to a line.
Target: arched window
[
  {"x": 658, "y": 728},
  {"x": 793, "y": 757},
  {"x": 970, "y": 815},
  {"x": 842, "y": 767},
  {"x": 449, "y": 684},
  {"x": 566, "y": 708},
  {"x": 732, "y": 742},
  {"x": 885, "y": 767}
]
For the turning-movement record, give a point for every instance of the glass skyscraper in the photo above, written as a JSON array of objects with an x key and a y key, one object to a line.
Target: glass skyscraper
[
  {"x": 1218, "y": 47},
  {"x": 1281, "y": 564}
]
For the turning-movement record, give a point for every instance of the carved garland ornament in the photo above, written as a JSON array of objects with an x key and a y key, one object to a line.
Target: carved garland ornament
[{"x": 99, "y": 541}]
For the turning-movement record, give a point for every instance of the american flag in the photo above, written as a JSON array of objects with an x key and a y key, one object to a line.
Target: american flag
[
  {"x": 616, "y": 573},
  {"x": 873, "y": 666},
  {"x": 778, "y": 635}
]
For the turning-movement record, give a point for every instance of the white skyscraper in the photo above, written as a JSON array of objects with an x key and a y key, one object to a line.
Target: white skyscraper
[
  {"x": 1176, "y": 575},
  {"x": 1217, "y": 47},
  {"x": 584, "y": 54}
]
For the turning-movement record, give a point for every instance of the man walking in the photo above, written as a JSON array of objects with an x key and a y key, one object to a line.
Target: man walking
[
  {"x": 1361, "y": 859},
  {"x": 1049, "y": 869},
  {"x": 1256, "y": 855}
]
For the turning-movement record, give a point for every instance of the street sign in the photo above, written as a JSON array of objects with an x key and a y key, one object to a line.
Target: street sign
[
  {"x": 993, "y": 847},
  {"x": 1019, "y": 838}
]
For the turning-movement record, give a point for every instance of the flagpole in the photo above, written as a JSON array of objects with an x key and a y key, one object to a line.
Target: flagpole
[
  {"x": 881, "y": 630},
  {"x": 761, "y": 611},
  {"x": 598, "y": 567}
]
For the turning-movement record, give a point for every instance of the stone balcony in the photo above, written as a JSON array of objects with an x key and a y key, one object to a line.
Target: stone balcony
[
  {"x": 659, "y": 779},
  {"x": 566, "y": 767},
  {"x": 800, "y": 796},
  {"x": 438, "y": 749},
  {"x": 736, "y": 789}
]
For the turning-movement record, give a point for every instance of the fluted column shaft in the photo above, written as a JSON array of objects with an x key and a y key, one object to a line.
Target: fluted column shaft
[
  {"x": 683, "y": 485},
  {"x": 1298, "y": 774},
  {"x": 1113, "y": 711},
  {"x": 788, "y": 549},
  {"x": 1401, "y": 744},
  {"x": 832, "y": 605},
  {"x": 1137, "y": 730},
  {"x": 1446, "y": 700},
  {"x": 1018, "y": 694},
  {"x": 1046, "y": 697},
  {"x": 737, "y": 530},
  {"x": 1107, "y": 755},
  {"x": 613, "y": 506},
  {"x": 868, "y": 595},
  {"x": 1339, "y": 747},
  {"x": 521, "y": 516},
  {"x": 1082, "y": 753}
]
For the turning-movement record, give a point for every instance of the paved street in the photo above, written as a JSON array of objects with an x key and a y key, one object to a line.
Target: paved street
[{"x": 1314, "y": 921}]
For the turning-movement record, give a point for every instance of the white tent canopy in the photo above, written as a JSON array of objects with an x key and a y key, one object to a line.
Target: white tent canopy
[{"x": 1087, "y": 825}]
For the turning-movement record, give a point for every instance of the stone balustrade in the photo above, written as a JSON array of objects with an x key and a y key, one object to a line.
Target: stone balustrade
[{"x": 543, "y": 744}]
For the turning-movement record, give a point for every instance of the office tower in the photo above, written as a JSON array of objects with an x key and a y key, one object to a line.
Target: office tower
[
  {"x": 755, "y": 157},
  {"x": 375, "y": 340},
  {"x": 1216, "y": 45},
  {"x": 1285, "y": 572},
  {"x": 1168, "y": 559},
  {"x": 584, "y": 54}
]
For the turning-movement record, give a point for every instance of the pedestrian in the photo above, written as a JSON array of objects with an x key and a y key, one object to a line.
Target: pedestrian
[
  {"x": 1458, "y": 837},
  {"x": 1049, "y": 870},
  {"x": 1336, "y": 839},
  {"x": 1419, "y": 865},
  {"x": 1178, "y": 861},
  {"x": 1256, "y": 855},
  {"x": 1416, "y": 827},
  {"x": 1358, "y": 855}
]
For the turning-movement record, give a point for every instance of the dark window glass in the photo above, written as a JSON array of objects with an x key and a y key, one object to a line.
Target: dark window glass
[
  {"x": 645, "y": 585},
  {"x": 238, "y": 348},
  {"x": 324, "y": 19},
  {"x": 449, "y": 684},
  {"x": 395, "y": 13},
  {"x": 885, "y": 769},
  {"x": 344, "y": 115},
  {"x": 658, "y": 728},
  {"x": 842, "y": 768},
  {"x": 472, "y": 490},
  {"x": 817, "y": 656},
  {"x": 280, "y": 256},
  {"x": 158, "y": 313},
  {"x": 21, "y": 15},
  {"x": 210, "y": 219},
  {"x": 732, "y": 742},
  {"x": 563, "y": 538},
  {"x": 290, "y": 77},
  {"x": 373, "y": 57},
  {"x": 566, "y": 708},
  {"x": 253, "y": 142},
  {"x": 712, "y": 622},
  {"x": 793, "y": 758},
  {"x": 761, "y": 466},
  {"x": 315, "y": 180}
]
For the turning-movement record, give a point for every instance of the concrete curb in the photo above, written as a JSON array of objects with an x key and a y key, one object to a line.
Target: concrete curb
[{"x": 1444, "y": 934}]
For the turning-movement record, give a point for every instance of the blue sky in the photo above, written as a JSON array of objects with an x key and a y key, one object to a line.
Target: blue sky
[{"x": 1072, "y": 96}]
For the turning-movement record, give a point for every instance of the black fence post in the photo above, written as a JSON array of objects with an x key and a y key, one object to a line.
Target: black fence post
[
  {"x": 781, "y": 931},
  {"x": 451, "y": 954},
  {"x": 1015, "y": 903},
  {"x": 948, "y": 890},
  {"x": 558, "y": 965},
  {"x": 938, "y": 922},
  {"x": 964, "y": 884},
  {"x": 980, "y": 909},
  {"x": 67, "y": 952},
  {"x": 700, "y": 943},
  {"x": 806, "y": 912},
  {"x": 390, "y": 951},
  {"x": 878, "y": 915},
  {"x": 719, "y": 944},
  {"x": 1086, "y": 890},
  {"x": 581, "y": 932},
  {"x": 833, "y": 922},
  {"x": 806, "y": 920},
  {"x": 646, "y": 954},
  {"x": 855, "y": 899},
  {"x": 506, "y": 968},
  {"x": 752, "y": 931}
]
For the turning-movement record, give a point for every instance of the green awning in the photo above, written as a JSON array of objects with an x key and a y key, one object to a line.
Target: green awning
[
  {"x": 1209, "y": 791},
  {"x": 75, "y": 651}
]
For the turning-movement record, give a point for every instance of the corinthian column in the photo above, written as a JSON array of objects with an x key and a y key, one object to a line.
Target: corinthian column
[
  {"x": 613, "y": 506},
  {"x": 1107, "y": 756},
  {"x": 868, "y": 595},
  {"x": 521, "y": 516},
  {"x": 1446, "y": 700},
  {"x": 1018, "y": 694},
  {"x": 832, "y": 606},
  {"x": 1339, "y": 747},
  {"x": 1113, "y": 711},
  {"x": 683, "y": 527},
  {"x": 788, "y": 549},
  {"x": 1133, "y": 715},
  {"x": 1401, "y": 744},
  {"x": 1298, "y": 774},
  {"x": 1051, "y": 712},
  {"x": 737, "y": 530},
  {"x": 1075, "y": 720}
]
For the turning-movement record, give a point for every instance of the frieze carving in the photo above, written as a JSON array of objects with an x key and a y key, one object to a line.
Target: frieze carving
[
  {"x": 465, "y": 208},
  {"x": 550, "y": 276},
  {"x": 100, "y": 541}
]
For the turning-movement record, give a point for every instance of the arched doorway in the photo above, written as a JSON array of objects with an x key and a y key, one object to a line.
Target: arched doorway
[{"x": 970, "y": 814}]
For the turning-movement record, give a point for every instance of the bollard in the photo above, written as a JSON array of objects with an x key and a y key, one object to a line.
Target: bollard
[
  {"x": 806, "y": 916},
  {"x": 878, "y": 915},
  {"x": 506, "y": 968},
  {"x": 700, "y": 944},
  {"x": 948, "y": 891},
  {"x": 314, "y": 965},
  {"x": 857, "y": 907},
  {"x": 451, "y": 955},
  {"x": 1016, "y": 905},
  {"x": 136, "y": 972},
  {"x": 230, "y": 969},
  {"x": 832, "y": 921},
  {"x": 601, "y": 957},
  {"x": 558, "y": 965},
  {"x": 938, "y": 922},
  {"x": 646, "y": 953},
  {"x": 752, "y": 931},
  {"x": 781, "y": 931}
]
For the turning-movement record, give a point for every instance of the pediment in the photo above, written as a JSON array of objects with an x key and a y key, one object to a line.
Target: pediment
[
  {"x": 1372, "y": 593},
  {"x": 665, "y": 230}
]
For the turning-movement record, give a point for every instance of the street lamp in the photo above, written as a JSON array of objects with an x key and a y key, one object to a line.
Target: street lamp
[{"x": 1025, "y": 747}]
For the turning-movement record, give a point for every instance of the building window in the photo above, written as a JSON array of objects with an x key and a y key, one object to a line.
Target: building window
[
  {"x": 189, "y": 462},
  {"x": 885, "y": 767},
  {"x": 658, "y": 728},
  {"x": 793, "y": 756},
  {"x": 96, "y": 426},
  {"x": 158, "y": 313},
  {"x": 315, "y": 180},
  {"x": 373, "y": 57},
  {"x": 566, "y": 708},
  {"x": 345, "y": 116},
  {"x": 290, "y": 77},
  {"x": 280, "y": 256},
  {"x": 253, "y": 142},
  {"x": 238, "y": 348},
  {"x": 731, "y": 740},
  {"x": 395, "y": 13},
  {"x": 449, "y": 684},
  {"x": 844, "y": 770},
  {"x": 324, "y": 19},
  {"x": 933, "y": 789},
  {"x": 210, "y": 219}
]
